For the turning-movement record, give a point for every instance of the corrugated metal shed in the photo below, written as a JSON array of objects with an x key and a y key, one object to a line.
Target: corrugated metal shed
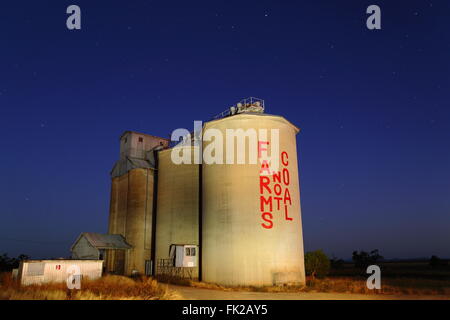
[
  {"x": 45, "y": 271},
  {"x": 104, "y": 241}
]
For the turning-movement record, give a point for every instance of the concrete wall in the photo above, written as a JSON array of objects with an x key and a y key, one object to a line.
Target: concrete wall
[
  {"x": 45, "y": 271},
  {"x": 236, "y": 248},
  {"x": 177, "y": 205},
  {"x": 131, "y": 216}
]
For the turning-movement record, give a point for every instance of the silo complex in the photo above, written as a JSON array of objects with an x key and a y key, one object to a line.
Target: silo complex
[
  {"x": 251, "y": 227},
  {"x": 227, "y": 222}
]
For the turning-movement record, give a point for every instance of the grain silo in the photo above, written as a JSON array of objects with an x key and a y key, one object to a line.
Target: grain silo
[
  {"x": 132, "y": 202},
  {"x": 251, "y": 222},
  {"x": 177, "y": 210}
]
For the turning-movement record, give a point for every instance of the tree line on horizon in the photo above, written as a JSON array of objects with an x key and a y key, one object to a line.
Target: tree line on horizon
[
  {"x": 8, "y": 263},
  {"x": 317, "y": 264}
]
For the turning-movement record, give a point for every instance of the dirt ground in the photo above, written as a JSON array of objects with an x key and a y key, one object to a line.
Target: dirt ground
[{"x": 192, "y": 293}]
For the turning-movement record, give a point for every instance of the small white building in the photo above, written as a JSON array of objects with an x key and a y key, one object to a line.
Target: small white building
[
  {"x": 45, "y": 271},
  {"x": 184, "y": 255}
]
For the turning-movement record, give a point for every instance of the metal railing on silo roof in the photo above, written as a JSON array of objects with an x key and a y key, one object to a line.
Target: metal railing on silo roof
[{"x": 244, "y": 103}]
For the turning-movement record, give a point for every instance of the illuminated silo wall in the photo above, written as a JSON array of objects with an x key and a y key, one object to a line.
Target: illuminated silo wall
[
  {"x": 131, "y": 216},
  {"x": 177, "y": 204},
  {"x": 236, "y": 248}
]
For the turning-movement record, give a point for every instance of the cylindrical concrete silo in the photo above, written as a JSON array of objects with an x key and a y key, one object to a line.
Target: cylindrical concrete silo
[
  {"x": 177, "y": 208},
  {"x": 252, "y": 234}
]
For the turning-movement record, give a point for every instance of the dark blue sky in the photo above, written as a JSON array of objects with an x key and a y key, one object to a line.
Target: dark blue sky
[{"x": 373, "y": 106}]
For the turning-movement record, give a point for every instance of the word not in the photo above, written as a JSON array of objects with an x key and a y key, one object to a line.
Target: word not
[
  {"x": 281, "y": 180},
  {"x": 73, "y": 22},
  {"x": 374, "y": 281},
  {"x": 374, "y": 21}
]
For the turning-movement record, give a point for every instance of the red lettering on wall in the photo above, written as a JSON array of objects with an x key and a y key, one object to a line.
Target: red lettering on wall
[
  {"x": 260, "y": 148},
  {"x": 287, "y": 196},
  {"x": 277, "y": 189},
  {"x": 268, "y": 220},
  {"x": 267, "y": 202},
  {"x": 286, "y": 176},
  {"x": 277, "y": 177},
  {"x": 284, "y": 158},
  {"x": 264, "y": 183},
  {"x": 286, "y": 214},
  {"x": 265, "y": 167},
  {"x": 278, "y": 182},
  {"x": 278, "y": 202}
]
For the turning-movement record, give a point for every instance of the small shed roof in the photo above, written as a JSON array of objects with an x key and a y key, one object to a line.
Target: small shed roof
[
  {"x": 122, "y": 166},
  {"x": 104, "y": 241}
]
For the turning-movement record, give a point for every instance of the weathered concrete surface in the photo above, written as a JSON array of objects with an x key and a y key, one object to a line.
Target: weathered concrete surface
[{"x": 131, "y": 216}]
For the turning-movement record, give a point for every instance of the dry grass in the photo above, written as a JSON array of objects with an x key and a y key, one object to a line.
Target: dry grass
[
  {"x": 357, "y": 285},
  {"x": 192, "y": 283},
  {"x": 105, "y": 288},
  {"x": 397, "y": 286},
  {"x": 123, "y": 288}
]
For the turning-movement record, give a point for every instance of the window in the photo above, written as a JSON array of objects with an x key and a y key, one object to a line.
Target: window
[
  {"x": 36, "y": 269},
  {"x": 190, "y": 252},
  {"x": 141, "y": 139}
]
